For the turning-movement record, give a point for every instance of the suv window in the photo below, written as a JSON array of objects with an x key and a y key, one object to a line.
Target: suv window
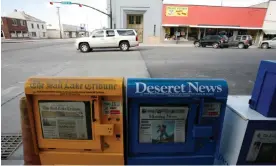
[
  {"x": 207, "y": 37},
  {"x": 215, "y": 37},
  {"x": 244, "y": 37},
  {"x": 98, "y": 34},
  {"x": 126, "y": 32},
  {"x": 238, "y": 38},
  {"x": 110, "y": 33}
]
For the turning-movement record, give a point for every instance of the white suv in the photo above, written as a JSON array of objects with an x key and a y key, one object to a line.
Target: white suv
[{"x": 108, "y": 38}]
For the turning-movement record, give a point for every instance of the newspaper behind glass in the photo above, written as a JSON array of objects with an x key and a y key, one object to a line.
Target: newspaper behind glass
[
  {"x": 63, "y": 120},
  {"x": 162, "y": 124}
]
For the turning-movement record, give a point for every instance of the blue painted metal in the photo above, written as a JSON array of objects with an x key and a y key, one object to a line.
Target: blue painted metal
[
  {"x": 263, "y": 98},
  {"x": 251, "y": 128},
  {"x": 202, "y": 133},
  {"x": 162, "y": 87}
]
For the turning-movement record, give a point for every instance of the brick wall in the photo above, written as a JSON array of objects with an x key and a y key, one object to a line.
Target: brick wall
[{"x": 7, "y": 27}]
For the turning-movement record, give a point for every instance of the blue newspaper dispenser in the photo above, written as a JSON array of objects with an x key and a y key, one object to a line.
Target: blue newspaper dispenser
[
  {"x": 263, "y": 98},
  {"x": 174, "y": 121}
]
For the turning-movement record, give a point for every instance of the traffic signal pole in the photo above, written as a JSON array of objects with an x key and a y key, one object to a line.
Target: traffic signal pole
[
  {"x": 109, "y": 15},
  {"x": 59, "y": 23}
]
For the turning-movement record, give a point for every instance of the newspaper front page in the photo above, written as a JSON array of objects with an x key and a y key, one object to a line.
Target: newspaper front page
[
  {"x": 263, "y": 147},
  {"x": 63, "y": 120},
  {"x": 162, "y": 124}
]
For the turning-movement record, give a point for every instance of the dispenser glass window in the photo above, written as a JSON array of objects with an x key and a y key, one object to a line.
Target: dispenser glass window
[
  {"x": 65, "y": 120},
  {"x": 263, "y": 147},
  {"x": 162, "y": 124}
]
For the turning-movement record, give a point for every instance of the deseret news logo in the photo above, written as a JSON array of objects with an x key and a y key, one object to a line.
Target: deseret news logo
[{"x": 190, "y": 87}]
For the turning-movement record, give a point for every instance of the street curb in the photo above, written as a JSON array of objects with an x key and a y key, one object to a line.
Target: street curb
[{"x": 186, "y": 46}]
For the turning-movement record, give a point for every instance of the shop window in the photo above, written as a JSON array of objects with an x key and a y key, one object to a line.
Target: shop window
[
  {"x": 130, "y": 19},
  {"x": 193, "y": 34},
  {"x": 138, "y": 19},
  {"x": 33, "y": 34},
  {"x": 13, "y": 34}
]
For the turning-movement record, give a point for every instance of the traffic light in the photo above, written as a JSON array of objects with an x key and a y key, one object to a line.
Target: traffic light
[
  {"x": 80, "y": 5},
  {"x": 51, "y": 3}
]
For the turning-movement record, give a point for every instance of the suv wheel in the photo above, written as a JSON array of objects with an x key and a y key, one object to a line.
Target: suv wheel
[
  {"x": 84, "y": 47},
  {"x": 264, "y": 46},
  {"x": 197, "y": 44},
  {"x": 215, "y": 45},
  {"x": 241, "y": 45},
  {"x": 124, "y": 46}
]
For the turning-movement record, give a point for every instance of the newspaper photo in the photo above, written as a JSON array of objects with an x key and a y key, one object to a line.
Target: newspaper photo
[
  {"x": 63, "y": 120},
  {"x": 263, "y": 147},
  {"x": 162, "y": 124}
]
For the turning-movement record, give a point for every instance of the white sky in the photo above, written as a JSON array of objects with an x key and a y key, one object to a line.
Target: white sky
[{"x": 75, "y": 15}]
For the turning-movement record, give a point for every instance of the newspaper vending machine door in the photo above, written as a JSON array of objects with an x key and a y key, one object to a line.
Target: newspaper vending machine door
[
  {"x": 69, "y": 121},
  {"x": 174, "y": 121}
]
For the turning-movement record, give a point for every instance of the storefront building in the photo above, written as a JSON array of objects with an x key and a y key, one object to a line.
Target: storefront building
[
  {"x": 192, "y": 22},
  {"x": 142, "y": 15},
  {"x": 269, "y": 26}
]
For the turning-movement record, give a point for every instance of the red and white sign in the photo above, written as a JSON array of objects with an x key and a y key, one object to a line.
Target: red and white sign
[{"x": 112, "y": 107}]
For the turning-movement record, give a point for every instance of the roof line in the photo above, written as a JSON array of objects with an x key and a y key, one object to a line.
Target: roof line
[{"x": 217, "y": 6}]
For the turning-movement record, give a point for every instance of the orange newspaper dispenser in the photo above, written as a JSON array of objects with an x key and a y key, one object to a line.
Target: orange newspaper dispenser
[{"x": 76, "y": 121}]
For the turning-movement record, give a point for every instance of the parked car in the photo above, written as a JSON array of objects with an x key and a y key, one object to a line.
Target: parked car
[
  {"x": 108, "y": 38},
  {"x": 216, "y": 41},
  {"x": 240, "y": 41},
  {"x": 268, "y": 43}
]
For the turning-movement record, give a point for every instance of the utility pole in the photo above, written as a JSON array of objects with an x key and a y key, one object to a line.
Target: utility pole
[
  {"x": 81, "y": 5},
  {"x": 59, "y": 22},
  {"x": 110, "y": 6}
]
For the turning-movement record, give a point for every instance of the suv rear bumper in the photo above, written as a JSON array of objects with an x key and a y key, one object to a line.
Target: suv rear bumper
[{"x": 133, "y": 43}]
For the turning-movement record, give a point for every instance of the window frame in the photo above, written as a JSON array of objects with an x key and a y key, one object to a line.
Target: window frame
[
  {"x": 124, "y": 33},
  {"x": 131, "y": 19},
  {"x": 238, "y": 37},
  {"x": 244, "y": 38},
  {"x": 33, "y": 33},
  {"x": 14, "y": 22},
  {"x": 107, "y": 35}
]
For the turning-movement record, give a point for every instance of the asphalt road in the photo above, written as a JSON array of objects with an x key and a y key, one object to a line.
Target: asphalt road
[
  {"x": 22, "y": 60},
  {"x": 237, "y": 66}
]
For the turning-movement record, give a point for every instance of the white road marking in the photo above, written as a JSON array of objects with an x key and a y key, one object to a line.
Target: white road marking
[{"x": 8, "y": 90}]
